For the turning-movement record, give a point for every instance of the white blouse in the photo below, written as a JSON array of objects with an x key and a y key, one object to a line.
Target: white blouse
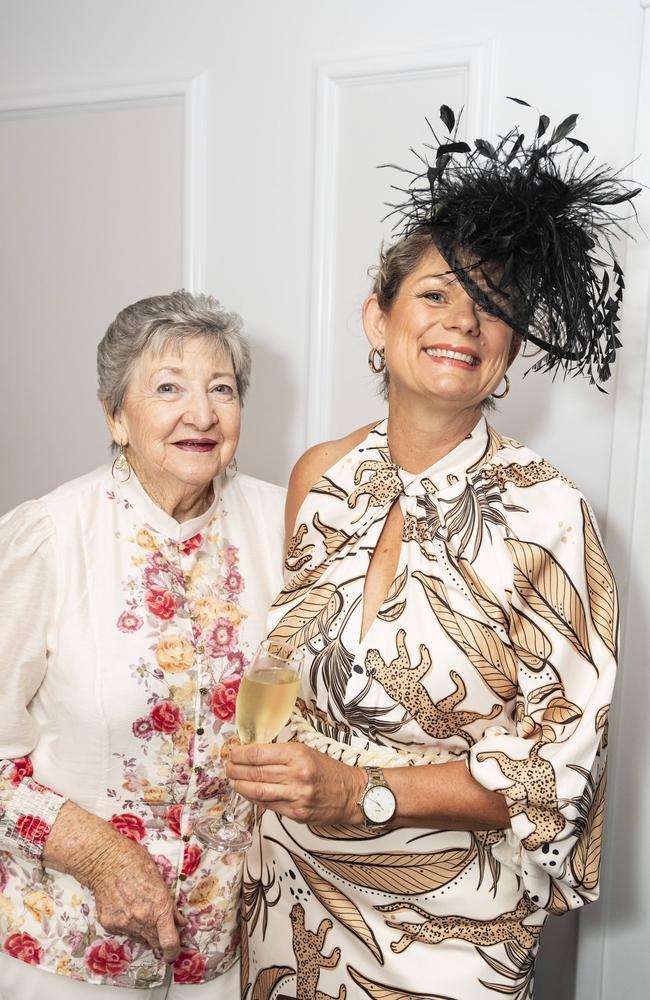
[{"x": 123, "y": 638}]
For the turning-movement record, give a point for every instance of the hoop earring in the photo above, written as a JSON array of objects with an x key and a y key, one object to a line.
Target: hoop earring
[
  {"x": 121, "y": 470},
  {"x": 502, "y": 395},
  {"x": 375, "y": 368},
  {"x": 231, "y": 470}
]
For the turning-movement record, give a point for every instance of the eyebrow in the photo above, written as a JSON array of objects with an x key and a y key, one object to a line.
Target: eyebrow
[
  {"x": 451, "y": 279},
  {"x": 168, "y": 369}
]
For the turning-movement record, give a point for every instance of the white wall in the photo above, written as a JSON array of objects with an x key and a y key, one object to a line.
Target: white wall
[{"x": 286, "y": 105}]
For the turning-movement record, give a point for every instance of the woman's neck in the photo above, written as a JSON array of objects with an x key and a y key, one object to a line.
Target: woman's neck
[
  {"x": 181, "y": 501},
  {"x": 419, "y": 436}
]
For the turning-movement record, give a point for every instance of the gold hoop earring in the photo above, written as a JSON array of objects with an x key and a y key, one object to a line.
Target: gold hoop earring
[
  {"x": 231, "y": 470},
  {"x": 121, "y": 470},
  {"x": 375, "y": 368},
  {"x": 502, "y": 395}
]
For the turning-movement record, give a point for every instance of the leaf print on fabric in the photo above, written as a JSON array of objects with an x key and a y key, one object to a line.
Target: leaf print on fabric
[
  {"x": 557, "y": 901},
  {"x": 342, "y": 831},
  {"x": 494, "y": 661},
  {"x": 545, "y": 587},
  {"x": 482, "y": 595},
  {"x": 561, "y": 712},
  {"x": 470, "y": 514},
  {"x": 519, "y": 975},
  {"x": 337, "y": 903},
  {"x": 328, "y": 488},
  {"x": 296, "y": 556},
  {"x": 334, "y": 539},
  {"x": 380, "y": 991},
  {"x": 393, "y": 613},
  {"x": 298, "y": 585},
  {"x": 267, "y": 980},
  {"x": 399, "y": 873},
  {"x": 530, "y": 644},
  {"x": 586, "y": 855},
  {"x": 603, "y": 595},
  {"x": 307, "y": 618}
]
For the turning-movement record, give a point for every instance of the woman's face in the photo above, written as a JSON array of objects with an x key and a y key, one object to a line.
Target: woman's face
[
  {"x": 438, "y": 342},
  {"x": 181, "y": 416}
]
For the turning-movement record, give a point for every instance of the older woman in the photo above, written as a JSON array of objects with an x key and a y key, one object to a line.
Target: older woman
[
  {"x": 131, "y": 600},
  {"x": 457, "y": 611}
]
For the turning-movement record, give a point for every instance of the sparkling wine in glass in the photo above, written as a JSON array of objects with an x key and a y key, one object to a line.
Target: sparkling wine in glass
[{"x": 266, "y": 697}]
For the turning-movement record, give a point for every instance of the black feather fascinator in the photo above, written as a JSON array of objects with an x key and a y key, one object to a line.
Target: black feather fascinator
[{"x": 536, "y": 221}]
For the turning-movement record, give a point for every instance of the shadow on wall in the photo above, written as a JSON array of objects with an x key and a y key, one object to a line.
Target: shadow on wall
[{"x": 266, "y": 448}]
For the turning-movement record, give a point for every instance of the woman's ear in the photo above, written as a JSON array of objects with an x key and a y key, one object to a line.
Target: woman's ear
[
  {"x": 515, "y": 347},
  {"x": 116, "y": 428},
  {"x": 374, "y": 322}
]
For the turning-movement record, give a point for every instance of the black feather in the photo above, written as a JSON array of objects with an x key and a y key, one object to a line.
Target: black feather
[{"x": 447, "y": 117}]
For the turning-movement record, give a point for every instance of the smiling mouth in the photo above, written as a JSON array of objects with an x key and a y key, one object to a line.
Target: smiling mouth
[
  {"x": 191, "y": 444},
  {"x": 453, "y": 355}
]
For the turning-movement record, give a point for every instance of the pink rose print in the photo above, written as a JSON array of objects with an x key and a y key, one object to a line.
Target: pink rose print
[
  {"x": 109, "y": 957},
  {"x": 189, "y": 967},
  {"x": 173, "y": 819},
  {"x": 142, "y": 728},
  {"x": 128, "y": 622},
  {"x": 24, "y": 947},
  {"x": 160, "y": 603},
  {"x": 211, "y": 788},
  {"x": 237, "y": 663},
  {"x": 166, "y": 717},
  {"x": 207, "y": 919},
  {"x": 190, "y": 545},
  {"x": 221, "y": 638},
  {"x": 224, "y": 697},
  {"x": 191, "y": 859},
  {"x": 129, "y": 825},
  {"x": 182, "y": 774},
  {"x": 233, "y": 582},
  {"x": 22, "y": 768},
  {"x": 32, "y": 828}
]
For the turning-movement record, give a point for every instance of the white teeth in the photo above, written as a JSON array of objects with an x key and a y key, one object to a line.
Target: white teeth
[{"x": 441, "y": 352}]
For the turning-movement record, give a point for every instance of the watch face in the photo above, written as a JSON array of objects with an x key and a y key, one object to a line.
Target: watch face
[{"x": 378, "y": 804}]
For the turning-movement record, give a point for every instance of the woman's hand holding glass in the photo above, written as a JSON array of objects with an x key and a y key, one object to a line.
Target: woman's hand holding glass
[{"x": 266, "y": 698}]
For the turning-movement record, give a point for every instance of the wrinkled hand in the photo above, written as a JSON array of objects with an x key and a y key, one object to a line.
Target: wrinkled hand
[
  {"x": 298, "y": 782},
  {"x": 131, "y": 897}
]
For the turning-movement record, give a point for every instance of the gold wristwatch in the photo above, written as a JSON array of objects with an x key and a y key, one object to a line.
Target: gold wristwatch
[{"x": 377, "y": 801}]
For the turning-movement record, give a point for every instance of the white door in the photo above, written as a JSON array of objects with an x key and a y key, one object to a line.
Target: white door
[{"x": 231, "y": 146}]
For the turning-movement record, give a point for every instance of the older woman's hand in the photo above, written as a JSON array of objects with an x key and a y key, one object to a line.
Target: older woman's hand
[
  {"x": 298, "y": 782},
  {"x": 130, "y": 894}
]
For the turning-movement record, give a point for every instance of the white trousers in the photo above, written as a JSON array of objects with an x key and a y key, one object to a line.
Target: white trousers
[{"x": 19, "y": 981}]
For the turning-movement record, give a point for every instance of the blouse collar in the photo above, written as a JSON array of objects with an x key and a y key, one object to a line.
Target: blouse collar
[
  {"x": 158, "y": 520},
  {"x": 457, "y": 464}
]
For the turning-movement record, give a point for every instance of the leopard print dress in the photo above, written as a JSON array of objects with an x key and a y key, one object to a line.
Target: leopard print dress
[{"x": 496, "y": 644}]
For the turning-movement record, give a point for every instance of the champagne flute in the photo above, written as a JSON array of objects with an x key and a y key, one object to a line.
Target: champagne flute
[{"x": 266, "y": 697}]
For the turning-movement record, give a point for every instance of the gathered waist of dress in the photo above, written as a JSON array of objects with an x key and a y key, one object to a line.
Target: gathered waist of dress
[{"x": 342, "y": 742}]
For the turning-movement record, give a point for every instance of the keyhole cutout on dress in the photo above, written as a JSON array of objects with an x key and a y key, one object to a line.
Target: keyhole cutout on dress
[{"x": 383, "y": 566}]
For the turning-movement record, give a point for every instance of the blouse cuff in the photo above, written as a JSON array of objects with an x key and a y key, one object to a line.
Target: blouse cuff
[{"x": 28, "y": 817}]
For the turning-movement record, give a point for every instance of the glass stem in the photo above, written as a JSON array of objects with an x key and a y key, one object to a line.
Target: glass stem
[{"x": 230, "y": 806}]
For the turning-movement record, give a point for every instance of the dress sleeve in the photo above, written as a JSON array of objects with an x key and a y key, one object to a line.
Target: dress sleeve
[
  {"x": 564, "y": 632},
  {"x": 27, "y": 598}
]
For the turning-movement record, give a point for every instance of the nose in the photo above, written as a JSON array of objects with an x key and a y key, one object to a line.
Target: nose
[
  {"x": 201, "y": 412},
  {"x": 461, "y": 316}
]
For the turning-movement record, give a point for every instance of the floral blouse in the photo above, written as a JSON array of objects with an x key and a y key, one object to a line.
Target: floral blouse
[{"x": 123, "y": 638}]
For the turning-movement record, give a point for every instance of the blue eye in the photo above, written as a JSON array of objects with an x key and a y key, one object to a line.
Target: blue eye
[
  {"x": 223, "y": 389},
  {"x": 166, "y": 388},
  {"x": 433, "y": 296}
]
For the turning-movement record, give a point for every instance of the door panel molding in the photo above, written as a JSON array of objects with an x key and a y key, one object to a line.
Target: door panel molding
[{"x": 193, "y": 93}]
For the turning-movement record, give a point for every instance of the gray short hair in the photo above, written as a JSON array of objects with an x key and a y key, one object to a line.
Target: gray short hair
[{"x": 157, "y": 323}]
